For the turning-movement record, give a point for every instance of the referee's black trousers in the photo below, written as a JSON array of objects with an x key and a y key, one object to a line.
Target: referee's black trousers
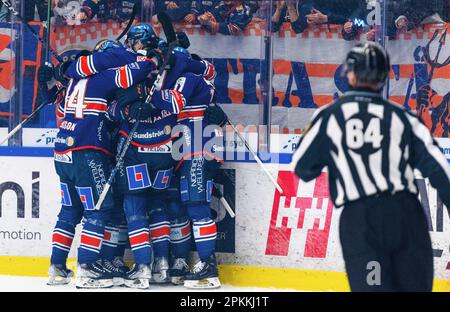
[{"x": 386, "y": 244}]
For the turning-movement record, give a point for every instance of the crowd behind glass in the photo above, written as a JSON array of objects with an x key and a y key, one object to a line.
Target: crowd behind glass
[{"x": 232, "y": 17}]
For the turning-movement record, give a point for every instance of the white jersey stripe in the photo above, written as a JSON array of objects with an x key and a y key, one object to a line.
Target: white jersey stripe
[
  {"x": 423, "y": 134},
  {"x": 368, "y": 186},
  {"x": 395, "y": 153},
  {"x": 335, "y": 133},
  {"x": 375, "y": 164}
]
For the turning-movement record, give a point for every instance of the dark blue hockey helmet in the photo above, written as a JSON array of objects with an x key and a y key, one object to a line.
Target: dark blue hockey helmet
[
  {"x": 182, "y": 51},
  {"x": 105, "y": 45},
  {"x": 145, "y": 34}
]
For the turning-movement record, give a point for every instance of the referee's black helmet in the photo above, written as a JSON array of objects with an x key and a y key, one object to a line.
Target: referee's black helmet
[{"x": 370, "y": 63}]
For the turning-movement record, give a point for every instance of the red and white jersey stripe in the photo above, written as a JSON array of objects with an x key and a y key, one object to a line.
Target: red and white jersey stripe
[
  {"x": 62, "y": 239},
  {"x": 160, "y": 231},
  {"x": 139, "y": 238},
  {"x": 85, "y": 66},
  {"x": 204, "y": 230},
  {"x": 193, "y": 113},
  {"x": 124, "y": 78},
  {"x": 91, "y": 241}
]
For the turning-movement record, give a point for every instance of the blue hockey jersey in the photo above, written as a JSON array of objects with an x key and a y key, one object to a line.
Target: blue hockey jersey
[
  {"x": 86, "y": 102},
  {"x": 156, "y": 130},
  {"x": 189, "y": 99},
  {"x": 89, "y": 65}
]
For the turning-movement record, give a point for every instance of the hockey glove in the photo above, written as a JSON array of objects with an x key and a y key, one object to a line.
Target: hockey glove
[
  {"x": 45, "y": 73},
  {"x": 127, "y": 96},
  {"x": 214, "y": 115},
  {"x": 145, "y": 110},
  {"x": 183, "y": 39},
  {"x": 157, "y": 56},
  {"x": 60, "y": 71}
]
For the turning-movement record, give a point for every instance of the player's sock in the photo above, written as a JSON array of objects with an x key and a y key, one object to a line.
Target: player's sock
[
  {"x": 160, "y": 233},
  {"x": 205, "y": 233},
  {"x": 138, "y": 232},
  {"x": 180, "y": 238},
  {"x": 110, "y": 242},
  {"x": 62, "y": 238},
  {"x": 90, "y": 242},
  {"x": 122, "y": 240}
]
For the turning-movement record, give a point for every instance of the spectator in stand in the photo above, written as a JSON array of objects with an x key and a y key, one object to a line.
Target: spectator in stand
[
  {"x": 405, "y": 15},
  {"x": 357, "y": 23},
  {"x": 228, "y": 18},
  {"x": 68, "y": 12},
  {"x": 30, "y": 7},
  {"x": 286, "y": 11},
  {"x": 123, "y": 9},
  {"x": 447, "y": 11},
  {"x": 198, "y": 8},
  {"x": 4, "y": 13},
  {"x": 176, "y": 9},
  {"x": 318, "y": 12}
]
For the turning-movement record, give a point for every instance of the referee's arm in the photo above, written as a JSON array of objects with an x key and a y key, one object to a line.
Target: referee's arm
[
  {"x": 426, "y": 156},
  {"x": 308, "y": 159}
]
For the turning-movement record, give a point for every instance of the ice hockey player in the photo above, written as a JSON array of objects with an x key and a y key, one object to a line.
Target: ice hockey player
[
  {"x": 86, "y": 103},
  {"x": 371, "y": 147},
  {"x": 189, "y": 99}
]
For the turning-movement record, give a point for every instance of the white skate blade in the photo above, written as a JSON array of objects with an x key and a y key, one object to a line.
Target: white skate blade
[
  {"x": 87, "y": 282},
  {"x": 139, "y": 283},
  {"x": 118, "y": 281},
  {"x": 158, "y": 278},
  {"x": 207, "y": 283},
  {"x": 59, "y": 280},
  {"x": 177, "y": 280}
]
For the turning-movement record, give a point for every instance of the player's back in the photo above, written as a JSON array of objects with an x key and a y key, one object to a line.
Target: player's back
[{"x": 369, "y": 145}]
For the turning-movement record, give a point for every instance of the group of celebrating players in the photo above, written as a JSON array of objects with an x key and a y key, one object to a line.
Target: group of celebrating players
[{"x": 161, "y": 194}]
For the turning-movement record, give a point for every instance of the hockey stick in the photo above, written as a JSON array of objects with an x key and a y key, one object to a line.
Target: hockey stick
[
  {"x": 250, "y": 149},
  {"x": 168, "y": 30},
  {"x": 130, "y": 22},
  {"x": 9, "y": 6},
  {"x": 31, "y": 116},
  {"x": 224, "y": 201}
]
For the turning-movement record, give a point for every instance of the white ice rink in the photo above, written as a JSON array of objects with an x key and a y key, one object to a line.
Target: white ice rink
[{"x": 38, "y": 284}]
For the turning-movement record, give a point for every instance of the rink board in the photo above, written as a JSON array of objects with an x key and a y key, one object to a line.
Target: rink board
[{"x": 285, "y": 241}]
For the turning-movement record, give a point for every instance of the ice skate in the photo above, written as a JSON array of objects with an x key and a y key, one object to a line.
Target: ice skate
[
  {"x": 59, "y": 274},
  {"x": 139, "y": 276},
  {"x": 117, "y": 272},
  {"x": 160, "y": 270},
  {"x": 204, "y": 275},
  {"x": 178, "y": 271},
  {"x": 93, "y": 275}
]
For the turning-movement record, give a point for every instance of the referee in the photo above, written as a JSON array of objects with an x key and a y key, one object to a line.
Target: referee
[{"x": 371, "y": 147}]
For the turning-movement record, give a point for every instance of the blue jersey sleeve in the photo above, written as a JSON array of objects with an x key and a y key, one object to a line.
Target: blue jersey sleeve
[
  {"x": 127, "y": 75},
  {"x": 176, "y": 99},
  {"x": 89, "y": 65}
]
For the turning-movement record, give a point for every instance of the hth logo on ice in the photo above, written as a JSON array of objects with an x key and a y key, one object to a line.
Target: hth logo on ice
[{"x": 304, "y": 209}]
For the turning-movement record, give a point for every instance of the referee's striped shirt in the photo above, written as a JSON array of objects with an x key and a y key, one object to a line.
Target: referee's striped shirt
[{"x": 369, "y": 146}]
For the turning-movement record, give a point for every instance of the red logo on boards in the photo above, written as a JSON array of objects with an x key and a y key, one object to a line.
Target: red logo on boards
[{"x": 303, "y": 207}]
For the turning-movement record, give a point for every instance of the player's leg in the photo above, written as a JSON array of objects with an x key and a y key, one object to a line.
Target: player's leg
[
  {"x": 180, "y": 234},
  {"x": 64, "y": 231},
  {"x": 367, "y": 260},
  {"x": 92, "y": 169},
  {"x": 162, "y": 169},
  {"x": 159, "y": 234},
  {"x": 134, "y": 182},
  {"x": 412, "y": 257},
  {"x": 111, "y": 245},
  {"x": 196, "y": 189}
]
